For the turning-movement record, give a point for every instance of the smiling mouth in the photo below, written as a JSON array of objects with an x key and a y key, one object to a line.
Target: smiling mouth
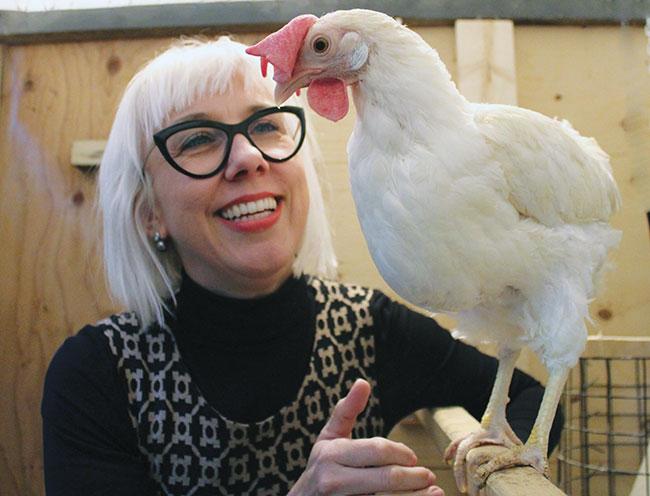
[{"x": 249, "y": 211}]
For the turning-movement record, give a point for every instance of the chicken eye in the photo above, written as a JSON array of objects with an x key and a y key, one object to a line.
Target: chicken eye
[{"x": 320, "y": 45}]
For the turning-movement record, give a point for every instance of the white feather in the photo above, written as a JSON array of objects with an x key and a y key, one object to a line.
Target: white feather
[{"x": 495, "y": 213}]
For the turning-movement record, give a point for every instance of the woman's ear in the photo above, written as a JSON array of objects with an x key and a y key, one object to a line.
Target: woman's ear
[{"x": 151, "y": 218}]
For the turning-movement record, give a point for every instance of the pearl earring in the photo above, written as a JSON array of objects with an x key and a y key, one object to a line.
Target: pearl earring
[{"x": 159, "y": 241}]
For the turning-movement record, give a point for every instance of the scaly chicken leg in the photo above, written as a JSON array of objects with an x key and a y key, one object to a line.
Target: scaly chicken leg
[
  {"x": 494, "y": 425},
  {"x": 534, "y": 451}
]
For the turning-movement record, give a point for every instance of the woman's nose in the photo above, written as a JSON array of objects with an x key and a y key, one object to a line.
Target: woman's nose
[{"x": 244, "y": 159}]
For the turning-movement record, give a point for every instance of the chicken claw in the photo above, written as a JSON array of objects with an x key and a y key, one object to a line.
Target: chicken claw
[
  {"x": 458, "y": 450},
  {"x": 516, "y": 456}
]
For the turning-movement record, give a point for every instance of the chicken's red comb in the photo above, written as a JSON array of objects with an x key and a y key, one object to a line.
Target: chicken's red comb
[{"x": 282, "y": 47}]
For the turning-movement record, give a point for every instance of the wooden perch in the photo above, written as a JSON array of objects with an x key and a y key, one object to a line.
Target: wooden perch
[{"x": 448, "y": 424}]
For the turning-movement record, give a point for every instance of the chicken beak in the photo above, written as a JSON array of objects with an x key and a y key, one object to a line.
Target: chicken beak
[{"x": 285, "y": 89}]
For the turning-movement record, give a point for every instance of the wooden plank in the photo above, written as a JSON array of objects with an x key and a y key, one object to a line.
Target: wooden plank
[
  {"x": 617, "y": 347},
  {"x": 50, "y": 265},
  {"x": 166, "y": 19},
  {"x": 448, "y": 424},
  {"x": 87, "y": 153},
  {"x": 559, "y": 76},
  {"x": 485, "y": 56},
  {"x": 415, "y": 436}
]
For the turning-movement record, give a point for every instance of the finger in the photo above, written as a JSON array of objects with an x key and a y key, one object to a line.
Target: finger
[
  {"x": 346, "y": 411},
  {"x": 388, "y": 479},
  {"x": 371, "y": 452}
]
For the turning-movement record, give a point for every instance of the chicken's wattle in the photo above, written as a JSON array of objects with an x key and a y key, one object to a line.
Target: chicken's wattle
[{"x": 329, "y": 98}]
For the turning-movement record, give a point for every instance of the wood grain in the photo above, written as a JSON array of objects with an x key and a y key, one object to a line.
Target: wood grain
[
  {"x": 485, "y": 56},
  {"x": 49, "y": 264}
]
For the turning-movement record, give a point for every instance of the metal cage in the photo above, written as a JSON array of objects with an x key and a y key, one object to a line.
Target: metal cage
[{"x": 604, "y": 447}]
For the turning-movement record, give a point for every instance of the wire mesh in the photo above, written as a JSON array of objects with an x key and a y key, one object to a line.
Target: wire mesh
[{"x": 604, "y": 448}]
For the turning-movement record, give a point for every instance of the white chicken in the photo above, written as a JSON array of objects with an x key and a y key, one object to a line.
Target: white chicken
[{"x": 494, "y": 213}]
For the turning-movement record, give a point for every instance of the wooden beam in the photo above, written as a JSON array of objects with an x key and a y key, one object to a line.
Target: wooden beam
[
  {"x": 617, "y": 347},
  {"x": 485, "y": 53},
  {"x": 448, "y": 424},
  {"x": 265, "y": 15},
  {"x": 87, "y": 153}
]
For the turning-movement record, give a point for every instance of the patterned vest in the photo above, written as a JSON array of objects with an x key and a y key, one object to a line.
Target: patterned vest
[{"x": 193, "y": 450}]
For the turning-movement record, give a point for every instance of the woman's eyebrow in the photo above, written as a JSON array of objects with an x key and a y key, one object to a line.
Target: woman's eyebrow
[
  {"x": 203, "y": 116},
  {"x": 260, "y": 106},
  {"x": 191, "y": 117}
]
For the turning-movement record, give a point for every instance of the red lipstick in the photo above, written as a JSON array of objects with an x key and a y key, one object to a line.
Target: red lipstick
[{"x": 245, "y": 224}]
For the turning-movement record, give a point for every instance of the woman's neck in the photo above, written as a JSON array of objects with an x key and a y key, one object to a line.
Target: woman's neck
[
  {"x": 240, "y": 286},
  {"x": 205, "y": 315}
]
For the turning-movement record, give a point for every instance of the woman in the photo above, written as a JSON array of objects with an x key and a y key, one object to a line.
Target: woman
[{"x": 242, "y": 369}]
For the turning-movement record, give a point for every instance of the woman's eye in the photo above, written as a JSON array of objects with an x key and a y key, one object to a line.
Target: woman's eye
[
  {"x": 264, "y": 127},
  {"x": 196, "y": 140}
]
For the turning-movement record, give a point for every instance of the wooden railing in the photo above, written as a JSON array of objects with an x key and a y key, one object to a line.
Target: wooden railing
[{"x": 448, "y": 424}]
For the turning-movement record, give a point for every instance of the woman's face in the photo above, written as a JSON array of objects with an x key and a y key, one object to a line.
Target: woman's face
[{"x": 252, "y": 255}]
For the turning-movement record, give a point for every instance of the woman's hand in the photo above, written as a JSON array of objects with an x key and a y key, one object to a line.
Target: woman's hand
[{"x": 339, "y": 465}]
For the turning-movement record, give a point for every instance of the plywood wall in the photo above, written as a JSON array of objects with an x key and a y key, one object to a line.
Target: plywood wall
[{"x": 49, "y": 264}]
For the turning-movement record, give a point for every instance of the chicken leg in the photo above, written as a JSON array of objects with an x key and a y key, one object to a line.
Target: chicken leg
[
  {"x": 534, "y": 451},
  {"x": 494, "y": 425}
]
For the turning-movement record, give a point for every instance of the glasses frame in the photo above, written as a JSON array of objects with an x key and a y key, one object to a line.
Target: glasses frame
[{"x": 231, "y": 130}]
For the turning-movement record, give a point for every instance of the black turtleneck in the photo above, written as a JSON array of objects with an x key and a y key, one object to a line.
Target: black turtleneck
[{"x": 249, "y": 358}]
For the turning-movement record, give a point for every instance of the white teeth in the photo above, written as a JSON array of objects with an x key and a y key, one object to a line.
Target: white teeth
[{"x": 253, "y": 209}]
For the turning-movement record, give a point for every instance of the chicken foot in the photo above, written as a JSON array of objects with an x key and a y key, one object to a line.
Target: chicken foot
[
  {"x": 495, "y": 429},
  {"x": 534, "y": 451}
]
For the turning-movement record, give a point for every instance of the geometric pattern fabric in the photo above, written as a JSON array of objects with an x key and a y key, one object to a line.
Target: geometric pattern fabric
[{"x": 194, "y": 450}]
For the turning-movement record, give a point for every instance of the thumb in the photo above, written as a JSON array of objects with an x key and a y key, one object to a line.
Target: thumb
[{"x": 346, "y": 411}]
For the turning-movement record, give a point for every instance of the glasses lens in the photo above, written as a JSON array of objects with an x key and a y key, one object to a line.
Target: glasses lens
[
  {"x": 199, "y": 150},
  {"x": 277, "y": 135}
]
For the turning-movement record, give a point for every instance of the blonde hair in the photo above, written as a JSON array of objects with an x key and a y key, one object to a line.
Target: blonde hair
[{"x": 138, "y": 276}]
